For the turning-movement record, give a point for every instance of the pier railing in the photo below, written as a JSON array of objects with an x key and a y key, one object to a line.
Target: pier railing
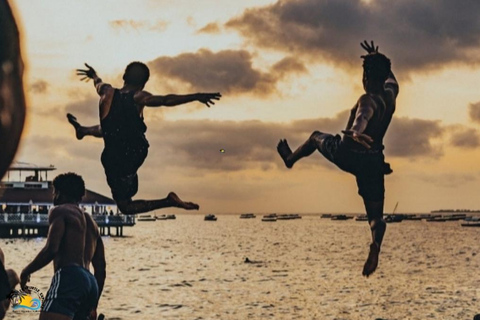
[{"x": 36, "y": 224}]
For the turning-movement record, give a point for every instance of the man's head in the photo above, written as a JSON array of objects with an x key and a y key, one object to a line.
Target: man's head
[
  {"x": 68, "y": 188},
  {"x": 136, "y": 73},
  {"x": 376, "y": 68}
]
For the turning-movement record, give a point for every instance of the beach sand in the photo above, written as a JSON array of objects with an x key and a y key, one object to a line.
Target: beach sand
[{"x": 305, "y": 269}]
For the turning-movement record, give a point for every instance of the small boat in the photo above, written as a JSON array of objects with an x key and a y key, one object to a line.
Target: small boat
[
  {"x": 270, "y": 217},
  {"x": 166, "y": 217},
  {"x": 362, "y": 217},
  {"x": 470, "y": 224},
  {"x": 326, "y": 216},
  {"x": 392, "y": 218},
  {"x": 210, "y": 217},
  {"x": 412, "y": 217},
  {"x": 247, "y": 216},
  {"x": 341, "y": 217},
  {"x": 146, "y": 217}
]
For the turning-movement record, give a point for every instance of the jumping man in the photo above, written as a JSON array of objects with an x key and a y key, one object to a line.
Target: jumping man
[
  {"x": 123, "y": 131},
  {"x": 360, "y": 151}
]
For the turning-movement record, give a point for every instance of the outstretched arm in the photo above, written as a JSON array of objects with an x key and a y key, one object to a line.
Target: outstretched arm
[
  {"x": 147, "y": 99},
  {"x": 90, "y": 73}
]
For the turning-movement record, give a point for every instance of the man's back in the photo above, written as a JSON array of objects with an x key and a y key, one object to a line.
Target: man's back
[{"x": 71, "y": 219}]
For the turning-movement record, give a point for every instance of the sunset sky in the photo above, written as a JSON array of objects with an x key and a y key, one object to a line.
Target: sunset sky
[{"x": 285, "y": 69}]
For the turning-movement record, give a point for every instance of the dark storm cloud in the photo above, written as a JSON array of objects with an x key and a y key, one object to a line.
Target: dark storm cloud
[
  {"x": 252, "y": 144},
  {"x": 39, "y": 86},
  {"x": 414, "y": 34},
  {"x": 474, "y": 112},
  {"x": 228, "y": 71},
  {"x": 413, "y": 138},
  {"x": 466, "y": 138}
]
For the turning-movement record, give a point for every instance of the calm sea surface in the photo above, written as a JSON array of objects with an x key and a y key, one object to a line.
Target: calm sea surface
[{"x": 303, "y": 269}]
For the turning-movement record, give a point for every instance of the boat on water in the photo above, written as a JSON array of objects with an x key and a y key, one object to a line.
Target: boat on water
[
  {"x": 412, "y": 217},
  {"x": 470, "y": 224},
  {"x": 288, "y": 216},
  {"x": 362, "y": 217},
  {"x": 166, "y": 217},
  {"x": 146, "y": 217},
  {"x": 270, "y": 217},
  {"x": 394, "y": 218},
  {"x": 326, "y": 216},
  {"x": 247, "y": 216},
  {"x": 340, "y": 217},
  {"x": 210, "y": 217}
]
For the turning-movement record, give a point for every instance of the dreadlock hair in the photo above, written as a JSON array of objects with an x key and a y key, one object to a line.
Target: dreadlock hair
[
  {"x": 377, "y": 67},
  {"x": 71, "y": 185},
  {"x": 136, "y": 73}
]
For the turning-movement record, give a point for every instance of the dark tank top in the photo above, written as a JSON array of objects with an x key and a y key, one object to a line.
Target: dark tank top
[
  {"x": 377, "y": 126},
  {"x": 123, "y": 126}
]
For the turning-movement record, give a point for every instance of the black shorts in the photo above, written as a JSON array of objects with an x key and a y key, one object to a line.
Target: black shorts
[
  {"x": 121, "y": 165},
  {"x": 368, "y": 167},
  {"x": 73, "y": 292}
]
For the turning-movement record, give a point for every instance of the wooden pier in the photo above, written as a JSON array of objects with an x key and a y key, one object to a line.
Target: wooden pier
[{"x": 28, "y": 225}]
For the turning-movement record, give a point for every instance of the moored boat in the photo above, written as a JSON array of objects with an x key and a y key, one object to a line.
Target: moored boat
[{"x": 210, "y": 217}]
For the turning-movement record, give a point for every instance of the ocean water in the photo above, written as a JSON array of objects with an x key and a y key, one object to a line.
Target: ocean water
[{"x": 302, "y": 269}]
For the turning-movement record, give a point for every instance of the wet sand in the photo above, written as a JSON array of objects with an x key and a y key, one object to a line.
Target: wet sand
[{"x": 303, "y": 269}]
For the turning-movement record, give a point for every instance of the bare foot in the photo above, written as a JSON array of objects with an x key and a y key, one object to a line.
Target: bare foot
[
  {"x": 73, "y": 121},
  {"x": 372, "y": 260},
  {"x": 180, "y": 204},
  {"x": 284, "y": 151}
]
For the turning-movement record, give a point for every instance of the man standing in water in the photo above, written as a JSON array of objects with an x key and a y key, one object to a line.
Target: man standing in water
[
  {"x": 123, "y": 131},
  {"x": 73, "y": 243},
  {"x": 360, "y": 151}
]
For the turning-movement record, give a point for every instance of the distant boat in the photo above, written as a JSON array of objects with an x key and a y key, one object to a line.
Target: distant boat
[
  {"x": 166, "y": 217},
  {"x": 341, "y": 217},
  {"x": 247, "y": 216},
  {"x": 270, "y": 217},
  {"x": 412, "y": 217},
  {"x": 326, "y": 216},
  {"x": 393, "y": 218},
  {"x": 470, "y": 224},
  {"x": 288, "y": 216},
  {"x": 210, "y": 217},
  {"x": 362, "y": 217},
  {"x": 146, "y": 217}
]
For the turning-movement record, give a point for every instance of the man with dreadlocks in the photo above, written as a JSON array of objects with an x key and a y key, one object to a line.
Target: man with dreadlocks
[{"x": 360, "y": 151}]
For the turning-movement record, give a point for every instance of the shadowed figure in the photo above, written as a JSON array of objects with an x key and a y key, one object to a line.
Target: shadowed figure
[
  {"x": 73, "y": 243},
  {"x": 12, "y": 117},
  {"x": 123, "y": 131},
  {"x": 360, "y": 150}
]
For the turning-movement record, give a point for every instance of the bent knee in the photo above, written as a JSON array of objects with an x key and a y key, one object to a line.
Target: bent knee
[
  {"x": 315, "y": 134},
  {"x": 125, "y": 207}
]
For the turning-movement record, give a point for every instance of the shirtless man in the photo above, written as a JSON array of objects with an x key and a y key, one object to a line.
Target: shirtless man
[
  {"x": 360, "y": 151},
  {"x": 123, "y": 131},
  {"x": 73, "y": 243}
]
